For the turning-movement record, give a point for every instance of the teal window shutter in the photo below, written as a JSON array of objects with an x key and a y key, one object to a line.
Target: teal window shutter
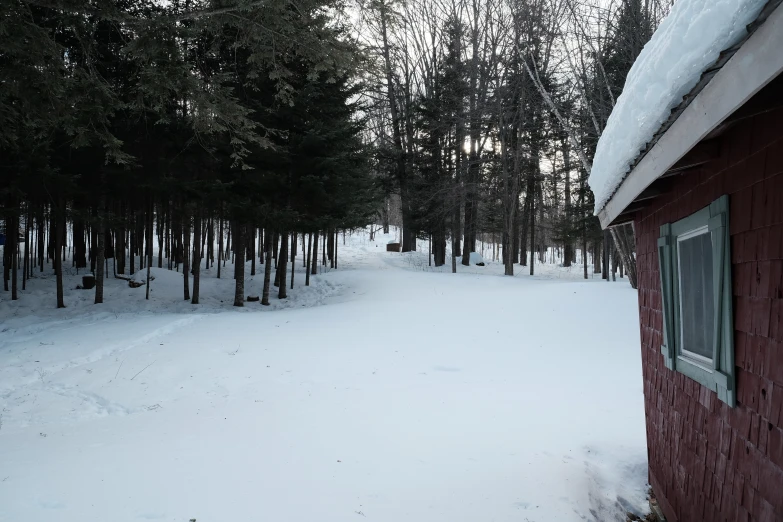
[
  {"x": 723, "y": 361},
  {"x": 667, "y": 297}
]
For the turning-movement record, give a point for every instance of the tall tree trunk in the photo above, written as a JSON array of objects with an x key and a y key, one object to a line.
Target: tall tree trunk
[
  {"x": 524, "y": 227},
  {"x": 58, "y": 221},
  {"x": 532, "y": 219},
  {"x": 186, "y": 254},
  {"x": 584, "y": 247},
  {"x": 132, "y": 243},
  {"x": 307, "y": 258},
  {"x": 568, "y": 247},
  {"x": 26, "y": 263},
  {"x": 293, "y": 258},
  {"x": 453, "y": 255},
  {"x": 251, "y": 247},
  {"x": 275, "y": 244},
  {"x": 323, "y": 250},
  {"x": 148, "y": 232},
  {"x": 41, "y": 237},
  {"x": 624, "y": 246},
  {"x": 100, "y": 254},
  {"x": 13, "y": 237},
  {"x": 281, "y": 294},
  {"x": 227, "y": 251},
  {"x": 239, "y": 264},
  {"x": 220, "y": 247},
  {"x": 160, "y": 224},
  {"x": 400, "y": 162},
  {"x": 196, "y": 256},
  {"x": 268, "y": 267},
  {"x": 314, "y": 269}
]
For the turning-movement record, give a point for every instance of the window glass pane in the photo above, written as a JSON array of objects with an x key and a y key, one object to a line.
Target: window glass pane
[{"x": 696, "y": 294}]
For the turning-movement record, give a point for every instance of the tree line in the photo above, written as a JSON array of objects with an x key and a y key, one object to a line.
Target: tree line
[
  {"x": 139, "y": 126},
  {"x": 131, "y": 126},
  {"x": 486, "y": 113}
]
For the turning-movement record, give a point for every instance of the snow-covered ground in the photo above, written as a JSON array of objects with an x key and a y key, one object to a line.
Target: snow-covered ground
[{"x": 386, "y": 391}]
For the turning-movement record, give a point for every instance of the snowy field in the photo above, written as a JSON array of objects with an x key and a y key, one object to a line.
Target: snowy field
[{"x": 386, "y": 391}]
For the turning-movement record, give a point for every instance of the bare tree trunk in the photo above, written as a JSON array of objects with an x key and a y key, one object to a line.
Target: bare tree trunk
[
  {"x": 196, "y": 257},
  {"x": 132, "y": 243},
  {"x": 251, "y": 251},
  {"x": 26, "y": 264},
  {"x": 13, "y": 236},
  {"x": 160, "y": 224},
  {"x": 186, "y": 254},
  {"x": 584, "y": 247},
  {"x": 56, "y": 236},
  {"x": 307, "y": 258},
  {"x": 150, "y": 225},
  {"x": 239, "y": 264},
  {"x": 623, "y": 242},
  {"x": 281, "y": 293},
  {"x": 220, "y": 247},
  {"x": 268, "y": 268},
  {"x": 314, "y": 270},
  {"x": 100, "y": 254},
  {"x": 293, "y": 258},
  {"x": 532, "y": 232}
]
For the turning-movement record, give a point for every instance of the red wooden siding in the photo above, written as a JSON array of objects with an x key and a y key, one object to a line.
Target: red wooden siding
[{"x": 708, "y": 461}]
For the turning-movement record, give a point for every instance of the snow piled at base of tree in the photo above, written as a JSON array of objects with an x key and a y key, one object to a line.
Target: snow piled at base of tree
[
  {"x": 408, "y": 395},
  {"x": 688, "y": 41}
]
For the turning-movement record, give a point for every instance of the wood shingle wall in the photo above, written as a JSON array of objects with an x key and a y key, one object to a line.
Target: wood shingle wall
[{"x": 708, "y": 461}]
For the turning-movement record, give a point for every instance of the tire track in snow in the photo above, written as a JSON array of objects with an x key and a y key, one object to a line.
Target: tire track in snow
[
  {"x": 19, "y": 377},
  {"x": 118, "y": 348},
  {"x": 98, "y": 404}
]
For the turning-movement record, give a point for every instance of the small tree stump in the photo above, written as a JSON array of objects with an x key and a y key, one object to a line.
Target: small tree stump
[
  {"x": 253, "y": 298},
  {"x": 393, "y": 247},
  {"x": 88, "y": 282}
]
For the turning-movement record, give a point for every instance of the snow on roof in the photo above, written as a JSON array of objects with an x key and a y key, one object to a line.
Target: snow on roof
[{"x": 686, "y": 43}]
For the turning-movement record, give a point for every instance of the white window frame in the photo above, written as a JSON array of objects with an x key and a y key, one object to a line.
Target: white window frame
[{"x": 683, "y": 352}]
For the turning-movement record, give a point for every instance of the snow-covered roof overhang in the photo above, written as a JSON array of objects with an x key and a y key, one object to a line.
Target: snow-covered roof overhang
[{"x": 634, "y": 152}]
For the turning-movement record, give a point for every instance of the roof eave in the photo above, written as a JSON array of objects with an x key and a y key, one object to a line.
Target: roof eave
[{"x": 753, "y": 66}]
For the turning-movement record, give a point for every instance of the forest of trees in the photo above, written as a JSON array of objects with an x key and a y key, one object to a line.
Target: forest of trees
[
  {"x": 485, "y": 117},
  {"x": 135, "y": 127}
]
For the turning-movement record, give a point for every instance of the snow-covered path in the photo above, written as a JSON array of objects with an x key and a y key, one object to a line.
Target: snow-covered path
[{"x": 408, "y": 395}]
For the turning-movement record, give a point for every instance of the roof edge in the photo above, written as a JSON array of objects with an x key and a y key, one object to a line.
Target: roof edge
[{"x": 757, "y": 62}]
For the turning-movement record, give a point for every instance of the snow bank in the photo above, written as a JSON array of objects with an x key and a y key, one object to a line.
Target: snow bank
[{"x": 686, "y": 43}]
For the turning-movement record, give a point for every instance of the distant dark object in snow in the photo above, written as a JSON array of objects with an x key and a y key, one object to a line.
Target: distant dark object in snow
[
  {"x": 253, "y": 298},
  {"x": 88, "y": 282},
  {"x": 393, "y": 247}
]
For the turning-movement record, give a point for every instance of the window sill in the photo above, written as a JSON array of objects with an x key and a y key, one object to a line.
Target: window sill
[{"x": 710, "y": 378}]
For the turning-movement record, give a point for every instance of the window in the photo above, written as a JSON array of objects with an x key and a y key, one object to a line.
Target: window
[{"x": 695, "y": 269}]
